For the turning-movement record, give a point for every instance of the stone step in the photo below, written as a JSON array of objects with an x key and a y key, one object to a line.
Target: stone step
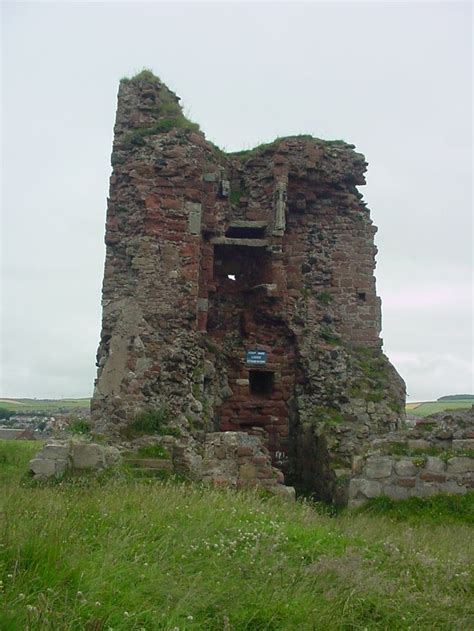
[
  {"x": 146, "y": 472},
  {"x": 150, "y": 463}
]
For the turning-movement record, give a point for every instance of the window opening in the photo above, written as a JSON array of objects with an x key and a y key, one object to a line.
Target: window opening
[
  {"x": 261, "y": 382},
  {"x": 362, "y": 296},
  {"x": 248, "y": 232}
]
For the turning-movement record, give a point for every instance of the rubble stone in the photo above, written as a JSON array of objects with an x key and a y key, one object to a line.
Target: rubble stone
[{"x": 58, "y": 457}]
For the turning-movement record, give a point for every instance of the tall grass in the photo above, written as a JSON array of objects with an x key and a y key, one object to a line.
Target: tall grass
[{"x": 130, "y": 555}]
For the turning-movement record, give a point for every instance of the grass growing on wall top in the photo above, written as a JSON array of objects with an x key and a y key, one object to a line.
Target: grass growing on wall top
[
  {"x": 131, "y": 554},
  {"x": 144, "y": 75}
]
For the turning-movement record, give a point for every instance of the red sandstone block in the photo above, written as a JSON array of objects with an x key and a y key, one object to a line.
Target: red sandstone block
[
  {"x": 189, "y": 249},
  {"x": 264, "y": 472},
  {"x": 189, "y": 272},
  {"x": 244, "y": 451},
  {"x": 428, "y": 476},
  {"x": 260, "y": 460},
  {"x": 406, "y": 482},
  {"x": 192, "y": 194},
  {"x": 202, "y": 320}
]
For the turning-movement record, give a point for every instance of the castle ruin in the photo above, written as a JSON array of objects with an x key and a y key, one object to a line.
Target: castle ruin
[{"x": 239, "y": 293}]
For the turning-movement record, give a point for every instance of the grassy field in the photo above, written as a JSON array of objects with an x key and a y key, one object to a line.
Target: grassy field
[
  {"x": 430, "y": 407},
  {"x": 44, "y": 405},
  {"x": 122, "y": 554},
  {"x": 67, "y": 405}
]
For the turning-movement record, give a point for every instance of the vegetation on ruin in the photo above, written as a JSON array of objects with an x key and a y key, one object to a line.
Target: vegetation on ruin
[
  {"x": 235, "y": 196},
  {"x": 325, "y": 297},
  {"x": 144, "y": 75},
  {"x": 152, "y": 451},
  {"x": 149, "y": 422},
  {"x": 79, "y": 426},
  {"x": 438, "y": 509},
  {"x": 127, "y": 554},
  {"x": 402, "y": 449},
  {"x": 328, "y": 335},
  {"x": 137, "y": 138},
  {"x": 326, "y": 416},
  {"x": 247, "y": 154},
  {"x": 372, "y": 380}
]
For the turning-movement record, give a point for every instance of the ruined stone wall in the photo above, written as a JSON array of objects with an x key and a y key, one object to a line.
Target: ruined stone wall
[
  {"x": 214, "y": 257},
  {"x": 435, "y": 456}
]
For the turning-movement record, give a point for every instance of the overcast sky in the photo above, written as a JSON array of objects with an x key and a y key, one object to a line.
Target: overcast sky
[{"x": 392, "y": 78}]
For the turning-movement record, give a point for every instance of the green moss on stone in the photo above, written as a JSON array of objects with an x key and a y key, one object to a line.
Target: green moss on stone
[{"x": 144, "y": 75}]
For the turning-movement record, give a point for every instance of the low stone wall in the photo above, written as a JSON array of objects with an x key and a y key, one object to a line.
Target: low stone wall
[
  {"x": 20, "y": 433},
  {"x": 224, "y": 459},
  {"x": 403, "y": 477},
  {"x": 435, "y": 456},
  {"x": 231, "y": 459},
  {"x": 58, "y": 457}
]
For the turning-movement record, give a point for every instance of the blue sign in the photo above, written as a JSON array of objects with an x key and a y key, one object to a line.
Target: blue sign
[{"x": 256, "y": 357}]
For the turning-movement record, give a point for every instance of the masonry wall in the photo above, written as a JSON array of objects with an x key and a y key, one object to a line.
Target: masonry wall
[
  {"x": 434, "y": 456},
  {"x": 214, "y": 257}
]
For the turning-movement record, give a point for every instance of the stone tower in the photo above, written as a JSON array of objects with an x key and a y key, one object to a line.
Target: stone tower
[{"x": 239, "y": 291}]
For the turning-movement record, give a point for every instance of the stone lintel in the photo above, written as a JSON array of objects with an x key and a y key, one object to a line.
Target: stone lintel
[
  {"x": 252, "y": 243},
  {"x": 244, "y": 223}
]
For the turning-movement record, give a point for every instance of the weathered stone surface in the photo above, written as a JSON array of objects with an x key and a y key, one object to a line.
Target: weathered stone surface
[
  {"x": 418, "y": 444},
  {"x": 453, "y": 486},
  {"x": 42, "y": 467},
  {"x": 463, "y": 444},
  {"x": 55, "y": 451},
  {"x": 112, "y": 456},
  {"x": 247, "y": 472},
  {"x": 460, "y": 465},
  {"x": 421, "y": 473},
  {"x": 405, "y": 467},
  {"x": 397, "y": 492},
  {"x": 366, "y": 488},
  {"x": 55, "y": 458},
  {"x": 87, "y": 456},
  {"x": 378, "y": 467},
  {"x": 406, "y": 482},
  {"x": 435, "y": 464},
  {"x": 430, "y": 476},
  {"x": 233, "y": 459}
]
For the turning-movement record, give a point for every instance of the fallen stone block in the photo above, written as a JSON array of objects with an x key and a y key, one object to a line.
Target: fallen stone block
[
  {"x": 42, "y": 467},
  {"x": 405, "y": 467},
  {"x": 87, "y": 456}
]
